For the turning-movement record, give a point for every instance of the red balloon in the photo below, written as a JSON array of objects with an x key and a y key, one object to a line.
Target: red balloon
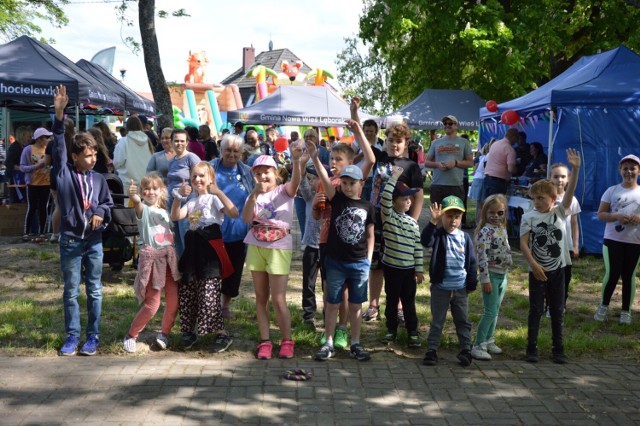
[
  {"x": 281, "y": 144},
  {"x": 492, "y": 106},
  {"x": 510, "y": 117}
]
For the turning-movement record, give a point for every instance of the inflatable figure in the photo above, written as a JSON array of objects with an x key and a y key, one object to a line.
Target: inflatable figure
[
  {"x": 261, "y": 74},
  {"x": 291, "y": 74},
  {"x": 319, "y": 76},
  {"x": 197, "y": 62}
]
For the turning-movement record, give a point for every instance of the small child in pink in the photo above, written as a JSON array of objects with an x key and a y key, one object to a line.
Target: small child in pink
[{"x": 157, "y": 264}]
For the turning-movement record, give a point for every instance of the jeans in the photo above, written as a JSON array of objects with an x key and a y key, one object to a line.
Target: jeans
[
  {"x": 301, "y": 213},
  {"x": 440, "y": 302},
  {"x": 492, "y": 302},
  {"x": 554, "y": 290},
  {"x": 74, "y": 254},
  {"x": 180, "y": 228},
  {"x": 493, "y": 185}
]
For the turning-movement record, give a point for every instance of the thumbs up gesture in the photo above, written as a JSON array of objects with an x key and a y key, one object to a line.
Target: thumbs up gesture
[
  {"x": 133, "y": 189},
  {"x": 185, "y": 189}
]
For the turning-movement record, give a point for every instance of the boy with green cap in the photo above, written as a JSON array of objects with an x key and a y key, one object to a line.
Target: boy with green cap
[{"x": 453, "y": 275}]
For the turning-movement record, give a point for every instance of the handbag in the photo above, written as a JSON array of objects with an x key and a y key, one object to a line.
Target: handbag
[{"x": 268, "y": 233}]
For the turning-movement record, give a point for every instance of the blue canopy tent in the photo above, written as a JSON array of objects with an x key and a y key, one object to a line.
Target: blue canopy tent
[{"x": 594, "y": 107}]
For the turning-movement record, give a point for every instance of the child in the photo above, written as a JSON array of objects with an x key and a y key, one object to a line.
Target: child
[
  {"x": 349, "y": 251},
  {"x": 402, "y": 259},
  {"x": 204, "y": 262},
  {"x": 542, "y": 239},
  {"x": 157, "y": 255},
  {"x": 341, "y": 155},
  {"x": 84, "y": 198},
  {"x": 452, "y": 272},
  {"x": 269, "y": 210},
  {"x": 560, "y": 177},
  {"x": 494, "y": 257}
]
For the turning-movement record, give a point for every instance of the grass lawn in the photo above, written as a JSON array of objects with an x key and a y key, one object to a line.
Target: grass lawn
[{"x": 31, "y": 317}]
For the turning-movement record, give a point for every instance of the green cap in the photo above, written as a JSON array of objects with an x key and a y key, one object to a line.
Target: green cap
[{"x": 452, "y": 202}]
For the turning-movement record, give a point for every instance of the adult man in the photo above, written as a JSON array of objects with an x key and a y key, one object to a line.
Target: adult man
[
  {"x": 268, "y": 146},
  {"x": 501, "y": 164},
  {"x": 12, "y": 162},
  {"x": 147, "y": 127},
  {"x": 251, "y": 147},
  {"x": 238, "y": 129},
  {"x": 449, "y": 157},
  {"x": 211, "y": 150}
]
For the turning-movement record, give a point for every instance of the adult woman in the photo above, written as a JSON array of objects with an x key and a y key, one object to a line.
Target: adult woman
[
  {"x": 620, "y": 209},
  {"x": 179, "y": 172},
  {"x": 159, "y": 161},
  {"x": 537, "y": 166},
  {"x": 235, "y": 179},
  {"x": 107, "y": 136},
  {"x": 36, "y": 172},
  {"x": 132, "y": 153},
  {"x": 194, "y": 144},
  {"x": 103, "y": 161}
]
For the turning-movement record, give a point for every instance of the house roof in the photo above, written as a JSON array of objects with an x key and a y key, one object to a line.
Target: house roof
[{"x": 270, "y": 59}]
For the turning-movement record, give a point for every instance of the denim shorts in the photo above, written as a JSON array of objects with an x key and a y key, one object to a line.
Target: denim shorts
[{"x": 355, "y": 275}]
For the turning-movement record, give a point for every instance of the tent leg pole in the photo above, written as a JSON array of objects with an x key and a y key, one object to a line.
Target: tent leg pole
[{"x": 550, "y": 144}]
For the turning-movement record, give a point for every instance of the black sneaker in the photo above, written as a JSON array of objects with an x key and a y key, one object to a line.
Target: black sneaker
[
  {"x": 188, "y": 339},
  {"x": 413, "y": 340},
  {"x": 222, "y": 343},
  {"x": 465, "y": 357},
  {"x": 324, "y": 353},
  {"x": 430, "y": 358},
  {"x": 358, "y": 352},
  {"x": 531, "y": 356},
  {"x": 560, "y": 358},
  {"x": 389, "y": 337}
]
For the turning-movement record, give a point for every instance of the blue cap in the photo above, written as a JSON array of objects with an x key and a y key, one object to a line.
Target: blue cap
[{"x": 354, "y": 172}]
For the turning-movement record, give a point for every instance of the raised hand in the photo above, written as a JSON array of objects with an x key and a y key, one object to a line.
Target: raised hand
[
  {"x": 60, "y": 101},
  {"x": 573, "y": 158},
  {"x": 185, "y": 189},
  {"x": 311, "y": 148},
  {"x": 296, "y": 150},
  {"x": 355, "y": 103},
  {"x": 436, "y": 213},
  {"x": 213, "y": 188},
  {"x": 352, "y": 125},
  {"x": 133, "y": 189}
]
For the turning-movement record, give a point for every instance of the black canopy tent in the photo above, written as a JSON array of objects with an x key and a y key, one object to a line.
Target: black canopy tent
[
  {"x": 30, "y": 70},
  {"x": 134, "y": 103},
  {"x": 426, "y": 111}
]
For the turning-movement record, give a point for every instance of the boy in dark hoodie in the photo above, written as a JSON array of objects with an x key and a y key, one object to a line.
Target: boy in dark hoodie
[
  {"x": 453, "y": 275},
  {"x": 84, "y": 198}
]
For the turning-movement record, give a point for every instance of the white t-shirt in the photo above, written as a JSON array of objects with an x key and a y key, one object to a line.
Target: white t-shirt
[
  {"x": 547, "y": 236},
  {"x": 627, "y": 201},
  {"x": 204, "y": 211}
]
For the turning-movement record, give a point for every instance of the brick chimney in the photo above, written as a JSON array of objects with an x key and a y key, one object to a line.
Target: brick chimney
[{"x": 248, "y": 57}]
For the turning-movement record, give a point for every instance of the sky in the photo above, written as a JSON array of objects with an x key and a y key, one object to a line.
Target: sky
[{"x": 313, "y": 30}]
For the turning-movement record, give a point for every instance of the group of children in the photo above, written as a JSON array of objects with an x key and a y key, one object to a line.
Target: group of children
[{"x": 346, "y": 227}]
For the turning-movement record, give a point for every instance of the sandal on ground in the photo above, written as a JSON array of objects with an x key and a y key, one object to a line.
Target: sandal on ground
[{"x": 40, "y": 239}]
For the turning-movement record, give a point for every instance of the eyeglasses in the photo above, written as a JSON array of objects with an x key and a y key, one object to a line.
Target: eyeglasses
[{"x": 448, "y": 123}]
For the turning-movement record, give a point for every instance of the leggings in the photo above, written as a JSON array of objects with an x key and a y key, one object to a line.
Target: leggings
[
  {"x": 151, "y": 304},
  {"x": 620, "y": 260},
  {"x": 37, "y": 198}
]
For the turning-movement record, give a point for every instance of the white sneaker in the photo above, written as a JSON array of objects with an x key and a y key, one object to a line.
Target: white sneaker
[
  {"x": 162, "y": 341},
  {"x": 601, "y": 313},
  {"x": 480, "y": 352},
  {"x": 492, "y": 348},
  {"x": 129, "y": 344},
  {"x": 625, "y": 317}
]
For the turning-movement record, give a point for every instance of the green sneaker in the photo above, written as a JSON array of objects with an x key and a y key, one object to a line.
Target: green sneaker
[
  {"x": 323, "y": 339},
  {"x": 340, "y": 338}
]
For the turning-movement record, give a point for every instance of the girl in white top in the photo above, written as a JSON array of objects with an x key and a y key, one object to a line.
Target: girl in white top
[
  {"x": 620, "y": 209},
  {"x": 204, "y": 262},
  {"x": 157, "y": 264}
]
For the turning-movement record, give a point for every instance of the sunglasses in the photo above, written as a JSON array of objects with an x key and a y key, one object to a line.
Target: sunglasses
[{"x": 448, "y": 123}]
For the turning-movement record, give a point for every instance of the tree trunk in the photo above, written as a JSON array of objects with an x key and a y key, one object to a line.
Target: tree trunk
[{"x": 157, "y": 82}]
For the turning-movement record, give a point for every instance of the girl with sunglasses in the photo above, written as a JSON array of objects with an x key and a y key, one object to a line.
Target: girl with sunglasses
[{"x": 494, "y": 258}]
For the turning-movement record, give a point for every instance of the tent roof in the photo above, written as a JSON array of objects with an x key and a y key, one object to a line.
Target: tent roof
[
  {"x": 30, "y": 70},
  {"x": 133, "y": 101},
  {"x": 426, "y": 111},
  {"x": 608, "y": 78},
  {"x": 297, "y": 106}
]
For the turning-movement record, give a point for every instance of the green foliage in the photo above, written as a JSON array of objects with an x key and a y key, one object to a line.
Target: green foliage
[
  {"x": 501, "y": 49},
  {"x": 17, "y": 17}
]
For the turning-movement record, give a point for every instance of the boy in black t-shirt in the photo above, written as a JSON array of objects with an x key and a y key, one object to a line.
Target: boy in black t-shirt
[{"x": 350, "y": 235}]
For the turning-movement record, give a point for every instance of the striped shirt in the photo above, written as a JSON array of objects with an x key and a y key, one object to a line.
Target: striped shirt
[{"x": 401, "y": 233}]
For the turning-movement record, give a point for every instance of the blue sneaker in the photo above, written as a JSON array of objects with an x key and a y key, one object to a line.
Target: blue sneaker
[
  {"x": 90, "y": 347},
  {"x": 69, "y": 346}
]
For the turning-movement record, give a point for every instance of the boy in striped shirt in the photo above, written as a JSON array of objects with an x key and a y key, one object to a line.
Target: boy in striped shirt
[{"x": 402, "y": 260}]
